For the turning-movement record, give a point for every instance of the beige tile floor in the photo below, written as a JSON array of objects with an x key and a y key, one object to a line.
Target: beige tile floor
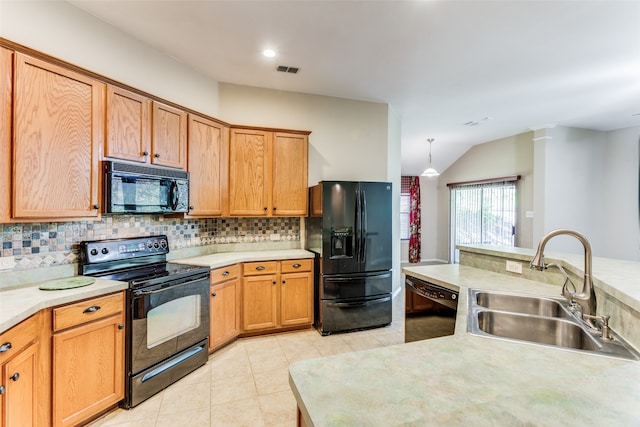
[{"x": 247, "y": 382}]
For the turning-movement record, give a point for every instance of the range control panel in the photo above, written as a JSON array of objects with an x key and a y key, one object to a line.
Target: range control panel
[{"x": 119, "y": 249}]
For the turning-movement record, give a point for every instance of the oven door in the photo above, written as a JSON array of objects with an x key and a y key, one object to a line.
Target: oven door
[{"x": 166, "y": 319}]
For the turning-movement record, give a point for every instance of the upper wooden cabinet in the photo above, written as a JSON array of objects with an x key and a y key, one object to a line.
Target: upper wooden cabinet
[
  {"x": 57, "y": 134},
  {"x": 6, "y": 89},
  {"x": 128, "y": 125},
  {"x": 208, "y": 166},
  {"x": 268, "y": 173},
  {"x": 169, "y": 136}
]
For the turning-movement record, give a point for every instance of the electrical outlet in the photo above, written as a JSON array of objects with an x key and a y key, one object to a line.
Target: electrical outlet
[
  {"x": 7, "y": 262},
  {"x": 514, "y": 267}
]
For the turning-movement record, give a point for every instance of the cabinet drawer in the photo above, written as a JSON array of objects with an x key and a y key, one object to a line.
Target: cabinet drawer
[
  {"x": 224, "y": 273},
  {"x": 17, "y": 338},
  {"x": 294, "y": 265},
  {"x": 87, "y": 311},
  {"x": 253, "y": 268}
]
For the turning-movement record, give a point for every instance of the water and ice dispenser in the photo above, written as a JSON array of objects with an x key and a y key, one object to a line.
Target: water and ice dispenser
[{"x": 342, "y": 242}]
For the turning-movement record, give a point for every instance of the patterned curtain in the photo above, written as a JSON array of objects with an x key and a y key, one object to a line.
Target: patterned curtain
[{"x": 414, "y": 220}]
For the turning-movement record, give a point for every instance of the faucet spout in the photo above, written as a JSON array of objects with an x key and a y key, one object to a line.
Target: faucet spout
[{"x": 586, "y": 298}]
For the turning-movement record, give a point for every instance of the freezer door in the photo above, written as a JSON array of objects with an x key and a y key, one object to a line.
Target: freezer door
[
  {"x": 375, "y": 246},
  {"x": 346, "y": 315},
  {"x": 355, "y": 285}
]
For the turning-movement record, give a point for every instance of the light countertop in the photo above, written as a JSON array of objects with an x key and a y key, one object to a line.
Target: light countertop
[
  {"x": 464, "y": 380},
  {"x": 19, "y": 302}
]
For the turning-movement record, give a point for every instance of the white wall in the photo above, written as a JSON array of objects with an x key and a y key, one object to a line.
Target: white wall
[
  {"x": 65, "y": 32},
  {"x": 503, "y": 157},
  {"x": 348, "y": 139},
  {"x": 621, "y": 222},
  {"x": 393, "y": 175},
  {"x": 574, "y": 189}
]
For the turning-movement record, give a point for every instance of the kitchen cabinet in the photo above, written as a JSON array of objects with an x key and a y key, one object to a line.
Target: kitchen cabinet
[
  {"x": 277, "y": 295},
  {"x": 128, "y": 125},
  {"x": 268, "y": 173},
  {"x": 88, "y": 358},
  {"x": 225, "y": 306},
  {"x": 57, "y": 134},
  {"x": 208, "y": 166},
  {"x": 169, "y": 136},
  {"x": 6, "y": 90},
  {"x": 24, "y": 386}
]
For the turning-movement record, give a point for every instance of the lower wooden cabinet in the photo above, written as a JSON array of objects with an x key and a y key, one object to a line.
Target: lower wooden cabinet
[
  {"x": 277, "y": 295},
  {"x": 24, "y": 386},
  {"x": 88, "y": 358},
  {"x": 225, "y": 306}
]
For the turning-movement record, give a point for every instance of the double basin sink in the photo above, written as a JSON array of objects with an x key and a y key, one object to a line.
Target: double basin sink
[{"x": 542, "y": 320}]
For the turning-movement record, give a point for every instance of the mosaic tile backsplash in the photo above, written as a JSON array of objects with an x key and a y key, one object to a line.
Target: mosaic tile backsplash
[{"x": 38, "y": 245}]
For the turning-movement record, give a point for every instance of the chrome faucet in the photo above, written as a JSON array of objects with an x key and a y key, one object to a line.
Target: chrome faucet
[{"x": 586, "y": 299}]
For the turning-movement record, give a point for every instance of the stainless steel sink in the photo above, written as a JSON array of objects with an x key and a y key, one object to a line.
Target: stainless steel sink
[
  {"x": 542, "y": 330},
  {"x": 525, "y": 304},
  {"x": 540, "y": 320}
]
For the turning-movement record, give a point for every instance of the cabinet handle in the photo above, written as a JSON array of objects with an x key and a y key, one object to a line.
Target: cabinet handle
[
  {"x": 225, "y": 273},
  {"x": 297, "y": 265},
  {"x": 260, "y": 268},
  {"x": 145, "y": 153},
  {"x": 157, "y": 155},
  {"x": 96, "y": 206},
  {"x": 5, "y": 347},
  {"x": 213, "y": 294},
  {"x": 15, "y": 377},
  {"x": 1, "y": 389},
  {"x": 92, "y": 309},
  {"x": 121, "y": 326}
]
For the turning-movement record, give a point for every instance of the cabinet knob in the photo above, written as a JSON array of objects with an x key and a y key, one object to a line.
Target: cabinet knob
[
  {"x": 1, "y": 389},
  {"x": 121, "y": 326},
  {"x": 92, "y": 309},
  {"x": 5, "y": 347},
  {"x": 15, "y": 377},
  {"x": 156, "y": 155},
  {"x": 260, "y": 267},
  {"x": 284, "y": 281},
  {"x": 297, "y": 265},
  {"x": 274, "y": 208},
  {"x": 265, "y": 209},
  {"x": 225, "y": 273},
  {"x": 96, "y": 206},
  {"x": 274, "y": 282},
  {"x": 145, "y": 153},
  {"x": 191, "y": 207},
  {"x": 213, "y": 294}
]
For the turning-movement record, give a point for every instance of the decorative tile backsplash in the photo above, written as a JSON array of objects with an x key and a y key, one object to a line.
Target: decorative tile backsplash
[{"x": 36, "y": 245}]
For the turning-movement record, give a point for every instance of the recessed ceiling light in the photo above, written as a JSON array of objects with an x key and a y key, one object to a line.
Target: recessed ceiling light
[{"x": 269, "y": 53}]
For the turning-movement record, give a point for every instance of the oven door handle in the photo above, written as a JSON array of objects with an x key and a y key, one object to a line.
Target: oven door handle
[{"x": 140, "y": 293}]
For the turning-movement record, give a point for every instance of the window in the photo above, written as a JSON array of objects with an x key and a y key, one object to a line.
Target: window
[
  {"x": 405, "y": 207},
  {"x": 482, "y": 213}
]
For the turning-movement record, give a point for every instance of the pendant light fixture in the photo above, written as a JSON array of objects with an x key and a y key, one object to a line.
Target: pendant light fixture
[{"x": 430, "y": 171}]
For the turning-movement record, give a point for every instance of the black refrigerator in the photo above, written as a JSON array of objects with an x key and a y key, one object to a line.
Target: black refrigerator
[{"x": 352, "y": 234}]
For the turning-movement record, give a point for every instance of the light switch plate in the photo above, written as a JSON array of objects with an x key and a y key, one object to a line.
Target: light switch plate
[{"x": 514, "y": 267}]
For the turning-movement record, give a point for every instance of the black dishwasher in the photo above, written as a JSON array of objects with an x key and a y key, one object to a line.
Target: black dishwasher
[{"x": 430, "y": 310}]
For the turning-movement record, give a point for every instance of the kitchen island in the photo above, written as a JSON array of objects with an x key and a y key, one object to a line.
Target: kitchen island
[{"x": 464, "y": 380}]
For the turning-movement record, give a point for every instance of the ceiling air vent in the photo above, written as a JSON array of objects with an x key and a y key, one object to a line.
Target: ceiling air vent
[{"x": 285, "y": 69}]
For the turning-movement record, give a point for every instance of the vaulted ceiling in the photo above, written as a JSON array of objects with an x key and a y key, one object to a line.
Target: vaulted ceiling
[{"x": 461, "y": 72}]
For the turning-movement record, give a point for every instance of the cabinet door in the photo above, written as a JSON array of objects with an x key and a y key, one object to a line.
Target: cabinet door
[
  {"x": 249, "y": 165},
  {"x": 208, "y": 160},
  {"x": 19, "y": 377},
  {"x": 128, "y": 125},
  {"x": 6, "y": 89},
  {"x": 225, "y": 313},
  {"x": 88, "y": 370},
  {"x": 290, "y": 190},
  {"x": 169, "y": 137},
  {"x": 260, "y": 296},
  {"x": 58, "y": 130},
  {"x": 296, "y": 299}
]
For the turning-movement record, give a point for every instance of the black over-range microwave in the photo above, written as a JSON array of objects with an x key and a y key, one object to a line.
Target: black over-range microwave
[{"x": 141, "y": 189}]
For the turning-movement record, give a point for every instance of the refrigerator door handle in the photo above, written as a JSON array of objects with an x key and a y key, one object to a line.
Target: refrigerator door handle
[
  {"x": 363, "y": 232},
  {"x": 362, "y": 304},
  {"x": 357, "y": 225}
]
